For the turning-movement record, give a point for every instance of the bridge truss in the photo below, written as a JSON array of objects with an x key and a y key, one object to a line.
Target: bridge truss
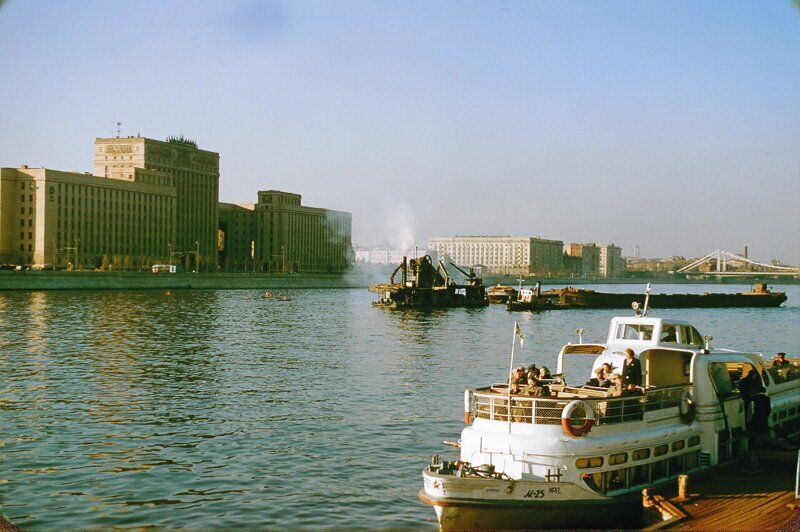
[{"x": 721, "y": 260}]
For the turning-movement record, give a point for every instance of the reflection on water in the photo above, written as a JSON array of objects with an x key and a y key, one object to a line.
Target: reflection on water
[{"x": 223, "y": 409}]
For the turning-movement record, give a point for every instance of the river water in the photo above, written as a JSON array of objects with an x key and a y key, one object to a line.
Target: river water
[{"x": 223, "y": 409}]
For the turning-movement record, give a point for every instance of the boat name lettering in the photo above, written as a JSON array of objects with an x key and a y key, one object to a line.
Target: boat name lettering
[
  {"x": 555, "y": 490},
  {"x": 535, "y": 494}
]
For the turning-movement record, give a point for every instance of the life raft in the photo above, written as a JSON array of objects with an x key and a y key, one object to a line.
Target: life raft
[
  {"x": 588, "y": 422},
  {"x": 686, "y": 407}
]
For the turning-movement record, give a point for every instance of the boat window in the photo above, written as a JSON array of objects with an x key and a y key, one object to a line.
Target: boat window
[
  {"x": 722, "y": 378},
  {"x": 688, "y": 335},
  {"x": 675, "y": 465},
  {"x": 619, "y": 458},
  {"x": 694, "y": 338},
  {"x": 692, "y": 460},
  {"x": 727, "y": 375},
  {"x": 659, "y": 470},
  {"x": 641, "y": 454},
  {"x": 640, "y": 475},
  {"x": 694, "y": 440},
  {"x": 661, "y": 449},
  {"x": 616, "y": 479},
  {"x": 594, "y": 481},
  {"x": 669, "y": 334},
  {"x": 585, "y": 463},
  {"x": 634, "y": 331},
  {"x": 678, "y": 445}
]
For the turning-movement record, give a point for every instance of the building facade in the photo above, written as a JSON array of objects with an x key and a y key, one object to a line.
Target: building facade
[
  {"x": 502, "y": 255},
  {"x": 195, "y": 178},
  {"x": 278, "y": 234},
  {"x": 70, "y": 219},
  {"x": 611, "y": 262},
  {"x": 588, "y": 264},
  {"x": 235, "y": 237}
]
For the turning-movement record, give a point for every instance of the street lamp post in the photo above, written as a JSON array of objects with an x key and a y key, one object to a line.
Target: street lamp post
[{"x": 196, "y": 256}]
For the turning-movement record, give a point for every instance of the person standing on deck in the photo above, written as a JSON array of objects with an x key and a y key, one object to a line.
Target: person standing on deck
[{"x": 631, "y": 371}]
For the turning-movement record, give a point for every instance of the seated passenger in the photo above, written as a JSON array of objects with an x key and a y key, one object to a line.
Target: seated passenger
[
  {"x": 544, "y": 373},
  {"x": 780, "y": 360},
  {"x": 535, "y": 387},
  {"x": 519, "y": 373},
  {"x": 599, "y": 377},
  {"x": 616, "y": 388},
  {"x": 515, "y": 385}
]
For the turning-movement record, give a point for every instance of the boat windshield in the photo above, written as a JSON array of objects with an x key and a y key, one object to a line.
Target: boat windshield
[{"x": 634, "y": 331}]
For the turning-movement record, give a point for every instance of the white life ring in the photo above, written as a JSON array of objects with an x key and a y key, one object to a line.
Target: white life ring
[
  {"x": 686, "y": 407},
  {"x": 588, "y": 422}
]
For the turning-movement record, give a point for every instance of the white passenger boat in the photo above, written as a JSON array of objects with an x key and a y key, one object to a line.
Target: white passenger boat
[{"x": 579, "y": 458}]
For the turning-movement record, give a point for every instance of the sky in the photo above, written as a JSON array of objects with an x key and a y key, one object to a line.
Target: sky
[{"x": 673, "y": 126}]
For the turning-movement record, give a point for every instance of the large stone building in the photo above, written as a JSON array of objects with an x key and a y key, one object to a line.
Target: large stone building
[
  {"x": 155, "y": 202},
  {"x": 49, "y": 217},
  {"x": 195, "y": 176},
  {"x": 278, "y": 234},
  {"x": 502, "y": 255}
]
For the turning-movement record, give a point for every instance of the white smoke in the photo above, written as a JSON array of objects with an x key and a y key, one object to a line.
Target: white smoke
[{"x": 401, "y": 229}]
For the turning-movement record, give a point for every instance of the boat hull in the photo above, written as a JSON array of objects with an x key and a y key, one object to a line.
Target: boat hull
[
  {"x": 466, "y": 514},
  {"x": 604, "y": 300},
  {"x": 589, "y": 299}
]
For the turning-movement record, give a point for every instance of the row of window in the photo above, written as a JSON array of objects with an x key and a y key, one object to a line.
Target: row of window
[
  {"x": 642, "y": 475},
  {"x": 638, "y": 454}
]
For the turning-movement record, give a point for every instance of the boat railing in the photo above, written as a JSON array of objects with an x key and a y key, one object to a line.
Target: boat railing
[{"x": 547, "y": 410}]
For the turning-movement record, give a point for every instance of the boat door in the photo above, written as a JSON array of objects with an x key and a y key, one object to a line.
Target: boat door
[{"x": 723, "y": 373}]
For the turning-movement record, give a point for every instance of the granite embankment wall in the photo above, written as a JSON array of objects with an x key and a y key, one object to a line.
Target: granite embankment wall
[{"x": 90, "y": 280}]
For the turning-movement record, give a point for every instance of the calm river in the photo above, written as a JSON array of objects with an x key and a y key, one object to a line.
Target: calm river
[{"x": 222, "y": 409}]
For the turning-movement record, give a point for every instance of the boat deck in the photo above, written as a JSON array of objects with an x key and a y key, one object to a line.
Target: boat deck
[{"x": 737, "y": 498}]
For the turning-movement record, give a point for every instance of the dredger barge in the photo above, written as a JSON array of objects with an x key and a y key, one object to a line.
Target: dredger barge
[{"x": 423, "y": 285}]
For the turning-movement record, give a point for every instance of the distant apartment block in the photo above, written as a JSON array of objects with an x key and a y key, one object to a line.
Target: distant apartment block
[
  {"x": 502, "y": 255},
  {"x": 611, "y": 262},
  {"x": 384, "y": 255},
  {"x": 278, "y": 234}
]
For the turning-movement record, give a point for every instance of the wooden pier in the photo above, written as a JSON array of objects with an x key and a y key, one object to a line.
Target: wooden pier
[{"x": 739, "y": 498}]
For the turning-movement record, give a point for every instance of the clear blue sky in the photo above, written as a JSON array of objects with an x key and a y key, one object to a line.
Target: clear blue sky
[{"x": 672, "y": 125}]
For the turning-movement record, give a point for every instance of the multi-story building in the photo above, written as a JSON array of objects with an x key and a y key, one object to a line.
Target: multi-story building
[
  {"x": 157, "y": 202},
  {"x": 547, "y": 257},
  {"x": 502, "y": 255},
  {"x": 62, "y": 219},
  {"x": 384, "y": 255},
  {"x": 611, "y": 261},
  {"x": 195, "y": 177},
  {"x": 278, "y": 234},
  {"x": 235, "y": 237},
  {"x": 589, "y": 255}
]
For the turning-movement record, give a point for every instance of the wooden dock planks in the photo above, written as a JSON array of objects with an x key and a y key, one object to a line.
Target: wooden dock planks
[{"x": 739, "y": 499}]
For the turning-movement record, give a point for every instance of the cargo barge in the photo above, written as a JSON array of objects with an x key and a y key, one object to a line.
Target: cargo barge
[
  {"x": 423, "y": 285},
  {"x": 570, "y": 298}
]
